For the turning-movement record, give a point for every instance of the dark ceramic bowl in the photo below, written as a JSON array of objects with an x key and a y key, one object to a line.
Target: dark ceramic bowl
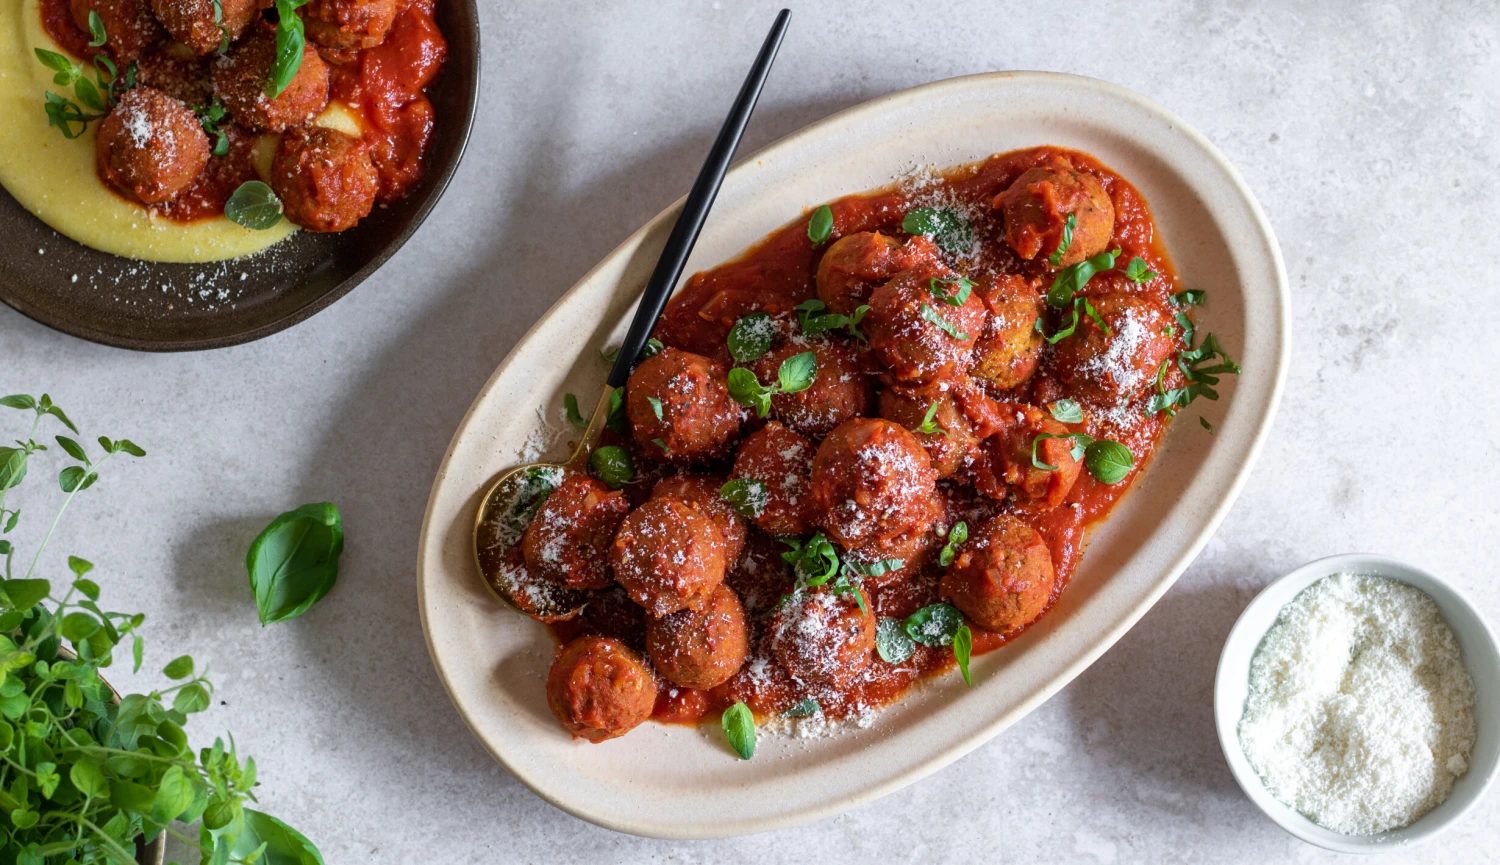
[{"x": 183, "y": 307}]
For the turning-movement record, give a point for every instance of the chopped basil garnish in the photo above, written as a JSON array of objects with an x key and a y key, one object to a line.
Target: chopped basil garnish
[
  {"x": 1202, "y": 372},
  {"x": 796, "y": 373},
  {"x": 1088, "y": 308},
  {"x": 814, "y": 562},
  {"x": 570, "y": 405},
  {"x": 652, "y": 348},
  {"x": 875, "y": 569},
  {"x": 1206, "y": 425},
  {"x": 934, "y": 625},
  {"x": 1067, "y": 411},
  {"x": 254, "y": 206},
  {"x": 1191, "y": 297},
  {"x": 957, "y": 537},
  {"x": 612, "y": 465},
  {"x": 212, "y": 117},
  {"x": 950, "y": 231},
  {"x": 1108, "y": 461},
  {"x": 1137, "y": 271},
  {"x": 891, "y": 641},
  {"x": 663, "y": 445},
  {"x": 747, "y": 496},
  {"x": 96, "y": 30},
  {"x": 929, "y": 425},
  {"x": 1081, "y": 441},
  {"x": 655, "y": 406},
  {"x": 804, "y": 709},
  {"x": 223, "y": 28},
  {"x": 739, "y": 729},
  {"x": 963, "y": 647},
  {"x": 820, "y": 225},
  {"x": 929, "y": 314},
  {"x": 815, "y": 322},
  {"x": 938, "y": 286},
  {"x": 616, "y": 419},
  {"x": 1071, "y": 279},
  {"x": 1066, "y": 240},
  {"x": 751, "y": 337}
]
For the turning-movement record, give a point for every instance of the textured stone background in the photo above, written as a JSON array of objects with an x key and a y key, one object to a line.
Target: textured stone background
[{"x": 1370, "y": 134}]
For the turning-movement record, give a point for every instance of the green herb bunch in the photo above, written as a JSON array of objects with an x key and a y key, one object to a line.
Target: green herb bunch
[{"x": 83, "y": 775}]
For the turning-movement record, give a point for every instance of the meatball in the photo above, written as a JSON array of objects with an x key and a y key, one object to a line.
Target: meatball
[
  {"x": 703, "y": 491},
  {"x": 1007, "y": 353},
  {"x": 240, "y": 80},
  {"x": 852, "y": 267},
  {"x": 177, "y": 72},
  {"x": 150, "y": 147},
  {"x": 840, "y": 390},
  {"x": 701, "y": 648},
  {"x": 191, "y": 22},
  {"x": 129, "y": 25},
  {"x": 349, "y": 24},
  {"x": 1002, "y": 578},
  {"x": 1112, "y": 367},
  {"x": 680, "y": 409},
  {"x": 912, "y": 549},
  {"x": 951, "y": 442},
  {"x": 782, "y": 460},
  {"x": 1004, "y": 467},
  {"x": 1037, "y": 206},
  {"x": 917, "y": 337},
  {"x": 568, "y": 540},
  {"x": 599, "y": 689},
  {"x": 669, "y": 556},
  {"x": 324, "y": 177},
  {"x": 823, "y": 637},
  {"x": 873, "y": 482}
]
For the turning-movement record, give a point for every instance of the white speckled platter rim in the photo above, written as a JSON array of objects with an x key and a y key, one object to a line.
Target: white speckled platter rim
[{"x": 682, "y": 782}]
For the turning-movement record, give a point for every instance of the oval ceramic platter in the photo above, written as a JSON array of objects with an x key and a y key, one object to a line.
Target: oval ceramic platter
[{"x": 684, "y": 782}]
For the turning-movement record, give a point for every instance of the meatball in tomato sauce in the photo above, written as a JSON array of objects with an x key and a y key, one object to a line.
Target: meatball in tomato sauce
[
  {"x": 240, "y": 81},
  {"x": 949, "y": 442},
  {"x": 324, "y": 177},
  {"x": 853, "y": 266},
  {"x": 1010, "y": 348},
  {"x": 1030, "y": 462},
  {"x": 129, "y": 25},
  {"x": 700, "y": 648},
  {"x": 568, "y": 540},
  {"x": 823, "y": 637},
  {"x": 349, "y": 24},
  {"x": 840, "y": 389},
  {"x": 1037, "y": 206},
  {"x": 1111, "y": 367},
  {"x": 781, "y": 462},
  {"x": 704, "y": 491},
  {"x": 669, "y": 556},
  {"x": 150, "y": 147},
  {"x": 599, "y": 689},
  {"x": 679, "y": 408},
  {"x": 206, "y": 25},
  {"x": 1002, "y": 579},
  {"x": 872, "y": 482},
  {"x": 919, "y": 337}
]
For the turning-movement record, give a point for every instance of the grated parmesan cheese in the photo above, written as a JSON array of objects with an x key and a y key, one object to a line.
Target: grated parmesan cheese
[{"x": 1361, "y": 712}]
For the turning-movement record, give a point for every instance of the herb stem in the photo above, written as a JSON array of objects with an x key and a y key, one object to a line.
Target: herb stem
[{"x": 93, "y": 469}]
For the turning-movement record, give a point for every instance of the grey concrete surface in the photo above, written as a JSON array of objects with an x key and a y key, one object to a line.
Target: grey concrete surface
[{"x": 1370, "y": 134}]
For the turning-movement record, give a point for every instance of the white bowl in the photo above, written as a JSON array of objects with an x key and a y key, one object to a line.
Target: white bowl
[
  {"x": 683, "y": 782},
  {"x": 1477, "y": 641}
]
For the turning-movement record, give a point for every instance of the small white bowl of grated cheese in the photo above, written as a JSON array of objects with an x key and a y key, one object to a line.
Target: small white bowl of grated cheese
[{"x": 1358, "y": 703}]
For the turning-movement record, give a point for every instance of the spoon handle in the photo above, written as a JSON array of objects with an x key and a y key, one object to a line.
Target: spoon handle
[{"x": 695, "y": 209}]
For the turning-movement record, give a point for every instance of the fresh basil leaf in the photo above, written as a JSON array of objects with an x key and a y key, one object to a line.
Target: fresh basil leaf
[
  {"x": 74, "y": 449},
  {"x": 751, "y": 337},
  {"x": 96, "y": 30},
  {"x": 20, "y": 401},
  {"x": 1065, "y": 241},
  {"x": 616, "y": 419},
  {"x": 891, "y": 641},
  {"x": 929, "y": 424},
  {"x": 929, "y": 314},
  {"x": 934, "y": 625},
  {"x": 875, "y": 569},
  {"x": 1108, "y": 461},
  {"x": 747, "y": 390},
  {"x": 797, "y": 372},
  {"x": 1074, "y": 277},
  {"x": 179, "y": 668},
  {"x": 12, "y": 467},
  {"x": 950, "y": 231},
  {"x": 1081, "y": 441},
  {"x": 938, "y": 287},
  {"x": 58, "y": 63},
  {"x": 1066, "y": 411},
  {"x": 963, "y": 647},
  {"x": 814, "y": 562},
  {"x": 1138, "y": 272},
  {"x": 282, "y": 844},
  {"x": 820, "y": 225},
  {"x": 655, "y": 408},
  {"x": 25, "y": 594},
  {"x": 957, "y": 537},
  {"x": 76, "y": 479},
  {"x": 570, "y": 406},
  {"x": 295, "y": 561},
  {"x": 804, "y": 709},
  {"x": 1191, "y": 297},
  {"x": 612, "y": 465},
  {"x": 739, "y": 728},
  {"x": 747, "y": 496},
  {"x": 290, "y": 42},
  {"x": 254, "y": 206}
]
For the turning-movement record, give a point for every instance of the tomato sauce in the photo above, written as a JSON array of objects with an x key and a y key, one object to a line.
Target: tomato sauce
[{"x": 57, "y": 20}]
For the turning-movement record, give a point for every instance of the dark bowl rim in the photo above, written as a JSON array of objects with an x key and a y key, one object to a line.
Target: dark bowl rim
[{"x": 327, "y": 298}]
